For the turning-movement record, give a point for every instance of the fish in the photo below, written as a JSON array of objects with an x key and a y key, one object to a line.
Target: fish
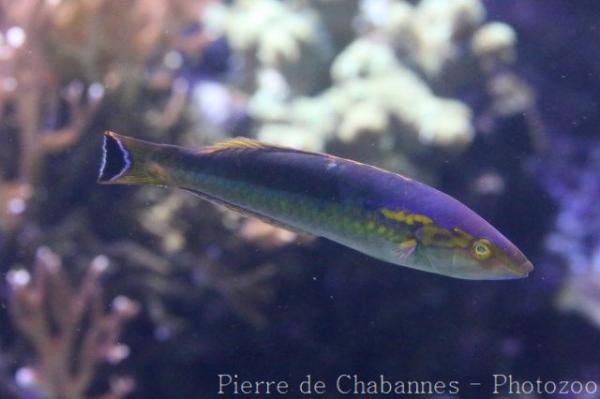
[{"x": 382, "y": 214}]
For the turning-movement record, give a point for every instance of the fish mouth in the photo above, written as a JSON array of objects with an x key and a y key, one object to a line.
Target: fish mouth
[
  {"x": 527, "y": 267},
  {"x": 522, "y": 270}
]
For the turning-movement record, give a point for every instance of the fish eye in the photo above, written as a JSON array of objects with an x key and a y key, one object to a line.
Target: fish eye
[{"x": 481, "y": 249}]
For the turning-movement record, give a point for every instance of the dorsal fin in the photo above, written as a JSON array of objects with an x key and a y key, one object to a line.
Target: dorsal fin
[
  {"x": 236, "y": 143},
  {"x": 245, "y": 143}
]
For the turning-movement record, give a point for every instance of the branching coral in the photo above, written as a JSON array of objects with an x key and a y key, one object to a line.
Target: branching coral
[
  {"x": 31, "y": 90},
  {"x": 581, "y": 294},
  {"x": 372, "y": 89},
  {"x": 431, "y": 32},
  {"x": 57, "y": 59},
  {"x": 390, "y": 81},
  {"x": 168, "y": 220},
  {"x": 572, "y": 180},
  {"x": 99, "y": 44},
  {"x": 69, "y": 329},
  {"x": 370, "y": 73},
  {"x": 494, "y": 43},
  {"x": 63, "y": 63},
  {"x": 273, "y": 29}
]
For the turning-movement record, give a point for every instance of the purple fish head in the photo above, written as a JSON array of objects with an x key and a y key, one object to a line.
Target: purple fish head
[
  {"x": 461, "y": 244},
  {"x": 491, "y": 256}
]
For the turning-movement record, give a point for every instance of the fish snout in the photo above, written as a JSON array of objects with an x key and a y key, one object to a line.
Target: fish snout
[
  {"x": 519, "y": 269},
  {"x": 525, "y": 268}
]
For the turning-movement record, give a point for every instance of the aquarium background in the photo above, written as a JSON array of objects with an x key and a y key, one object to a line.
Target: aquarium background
[{"x": 143, "y": 292}]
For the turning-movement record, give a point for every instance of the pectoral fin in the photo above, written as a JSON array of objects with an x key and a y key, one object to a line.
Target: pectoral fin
[{"x": 406, "y": 248}]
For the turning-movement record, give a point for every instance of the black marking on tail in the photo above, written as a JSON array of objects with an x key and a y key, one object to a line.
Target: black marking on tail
[{"x": 115, "y": 159}]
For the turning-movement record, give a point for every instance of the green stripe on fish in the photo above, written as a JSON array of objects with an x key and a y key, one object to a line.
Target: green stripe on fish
[{"x": 380, "y": 213}]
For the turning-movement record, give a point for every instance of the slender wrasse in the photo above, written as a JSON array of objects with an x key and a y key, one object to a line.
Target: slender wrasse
[{"x": 382, "y": 214}]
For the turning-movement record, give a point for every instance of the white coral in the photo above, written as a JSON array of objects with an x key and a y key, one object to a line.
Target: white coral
[
  {"x": 272, "y": 28},
  {"x": 267, "y": 103},
  {"x": 579, "y": 294},
  {"x": 430, "y": 32},
  {"x": 494, "y": 41},
  {"x": 362, "y": 116},
  {"x": 291, "y": 136},
  {"x": 387, "y": 87},
  {"x": 381, "y": 80},
  {"x": 436, "y": 25},
  {"x": 361, "y": 58},
  {"x": 445, "y": 122}
]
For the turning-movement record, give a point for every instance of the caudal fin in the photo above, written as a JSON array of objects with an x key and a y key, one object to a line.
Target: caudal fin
[{"x": 126, "y": 160}]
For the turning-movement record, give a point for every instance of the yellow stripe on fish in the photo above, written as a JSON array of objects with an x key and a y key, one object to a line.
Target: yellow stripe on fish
[{"x": 406, "y": 217}]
